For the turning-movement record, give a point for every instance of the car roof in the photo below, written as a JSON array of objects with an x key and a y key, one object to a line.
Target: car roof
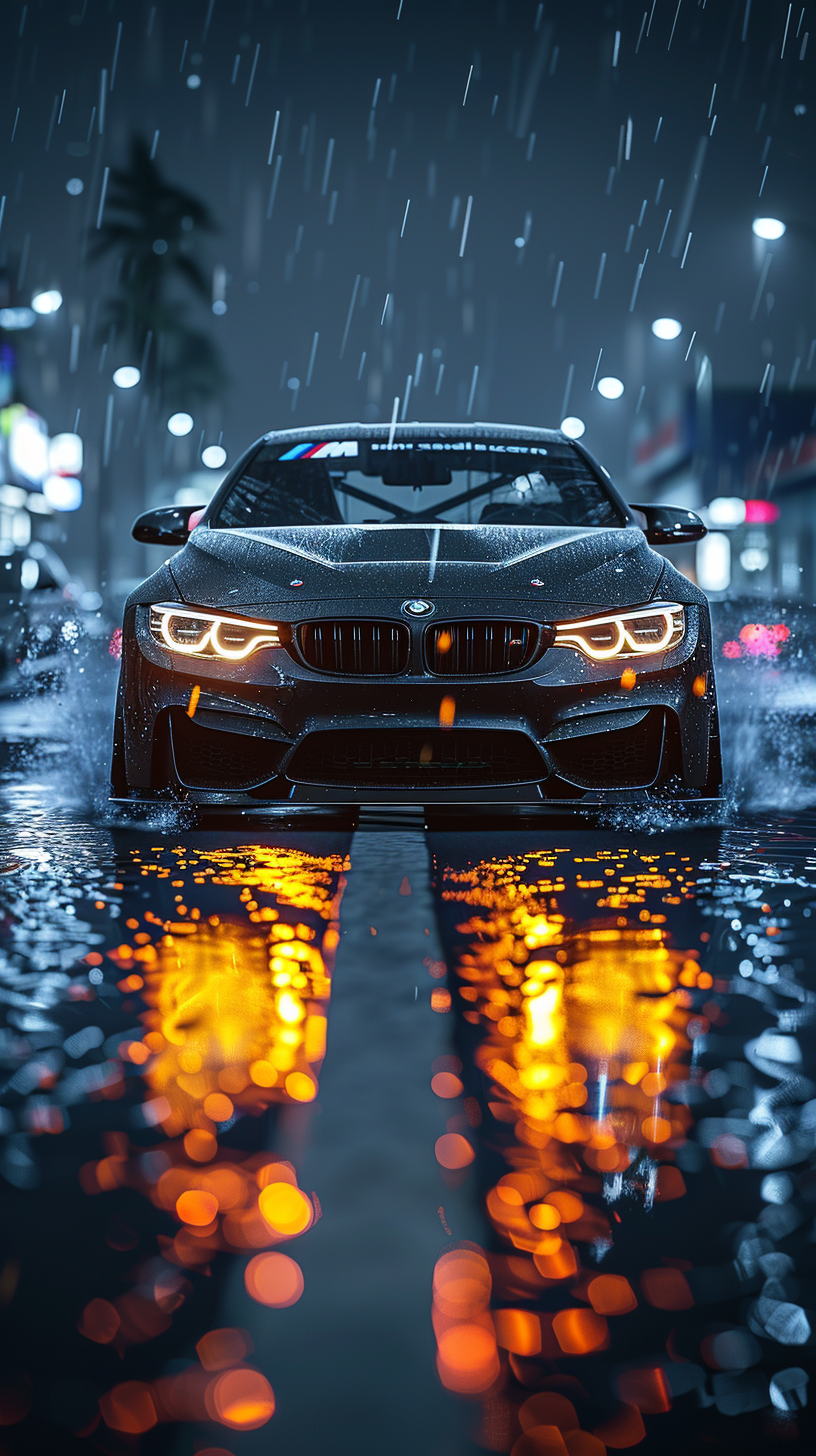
[{"x": 418, "y": 430}]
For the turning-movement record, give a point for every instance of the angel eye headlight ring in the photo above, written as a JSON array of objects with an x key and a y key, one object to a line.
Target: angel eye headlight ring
[
  {"x": 638, "y": 632},
  {"x": 215, "y": 635}
]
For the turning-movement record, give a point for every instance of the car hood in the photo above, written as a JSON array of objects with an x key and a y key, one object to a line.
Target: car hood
[{"x": 589, "y": 566}]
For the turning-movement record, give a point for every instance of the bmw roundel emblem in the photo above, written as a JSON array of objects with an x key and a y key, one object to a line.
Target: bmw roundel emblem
[{"x": 417, "y": 607}]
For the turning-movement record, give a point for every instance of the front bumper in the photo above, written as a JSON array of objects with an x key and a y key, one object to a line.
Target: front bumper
[{"x": 272, "y": 730}]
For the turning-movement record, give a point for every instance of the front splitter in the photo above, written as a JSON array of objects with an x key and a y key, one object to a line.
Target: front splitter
[{"x": 516, "y": 799}]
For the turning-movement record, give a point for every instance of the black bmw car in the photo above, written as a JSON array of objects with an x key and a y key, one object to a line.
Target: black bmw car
[{"x": 437, "y": 613}]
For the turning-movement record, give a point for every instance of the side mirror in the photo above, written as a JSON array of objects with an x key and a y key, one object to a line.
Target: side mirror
[
  {"x": 167, "y": 526},
  {"x": 670, "y": 525}
]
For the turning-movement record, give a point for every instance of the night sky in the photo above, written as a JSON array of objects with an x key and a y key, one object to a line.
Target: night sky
[{"x": 526, "y": 141}]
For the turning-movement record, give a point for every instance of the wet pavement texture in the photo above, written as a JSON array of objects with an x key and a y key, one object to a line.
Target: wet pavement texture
[{"x": 337, "y": 1137}]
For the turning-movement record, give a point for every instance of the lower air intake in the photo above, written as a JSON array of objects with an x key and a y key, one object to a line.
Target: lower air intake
[
  {"x": 416, "y": 758},
  {"x": 220, "y": 762},
  {"x": 621, "y": 758}
]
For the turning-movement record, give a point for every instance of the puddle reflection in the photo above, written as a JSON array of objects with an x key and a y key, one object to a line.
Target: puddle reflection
[
  {"x": 228, "y": 1015},
  {"x": 626, "y": 1131},
  {"x": 596, "y": 1023}
]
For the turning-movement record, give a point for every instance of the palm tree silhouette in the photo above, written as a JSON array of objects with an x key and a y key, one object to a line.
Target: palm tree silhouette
[{"x": 152, "y": 225}]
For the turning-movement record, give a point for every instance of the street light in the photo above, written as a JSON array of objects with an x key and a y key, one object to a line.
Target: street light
[
  {"x": 572, "y": 427},
  {"x": 180, "y": 424},
  {"x": 65, "y": 454},
  {"x": 667, "y": 328},
  {"x": 126, "y": 376},
  {"x": 17, "y": 318},
  {"x": 610, "y": 387},
  {"x": 214, "y": 456},
  {"x": 768, "y": 228},
  {"x": 47, "y": 301},
  {"x": 63, "y": 492}
]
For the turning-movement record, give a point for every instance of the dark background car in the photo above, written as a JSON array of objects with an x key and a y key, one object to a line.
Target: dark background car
[{"x": 44, "y": 612}]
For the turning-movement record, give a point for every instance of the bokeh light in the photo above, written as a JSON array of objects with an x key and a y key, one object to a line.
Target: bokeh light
[
  {"x": 462, "y": 1283},
  {"x": 129, "y": 1407},
  {"x": 453, "y": 1150},
  {"x": 197, "y": 1207},
  {"x": 580, "y": 1331},
  {"x": 220, "y": 1349},
  {"x": 667, "y": 328},
  {"x": 445, "y": 1084},
  {"x": 48, "y": 300},
  {"x": 200, "y": 1145},
  {"x": 300, "y": 1087},
  {"x": 548, "y": 1408},
  {"x": 285, "y": 1208},
  {"x": 127, "y": 376},
  {"x": 610, "y": 387},
  {"x": 100, "y": 1321},
  {"x": 241, "y": 1399},
  {"x": 274, "y": 1280},
  {"x": 611, "y": 1294},
  {"x": 467, "y": 1359},
  {"x": 770, "y": 229}
]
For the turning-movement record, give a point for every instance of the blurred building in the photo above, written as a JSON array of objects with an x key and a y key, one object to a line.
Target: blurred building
[{"x": 747, "y": 461}]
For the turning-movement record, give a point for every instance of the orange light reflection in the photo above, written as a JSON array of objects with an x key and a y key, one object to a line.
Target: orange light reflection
[
  {"x": 584, "y": 1032},
  {"x": 235, "y": 1021}
]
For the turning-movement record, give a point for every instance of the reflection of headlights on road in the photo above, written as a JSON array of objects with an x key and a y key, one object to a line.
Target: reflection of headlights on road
[
  {"x": 626, "y": 634},
  {"x": 206, "y": 634}
]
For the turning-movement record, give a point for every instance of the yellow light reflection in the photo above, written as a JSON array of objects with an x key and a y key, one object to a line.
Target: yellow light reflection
[
  {"x": 235, "y": 1020},
  {"x": 584, "y": 1032},
  {"x": 221, "y": 1022}
]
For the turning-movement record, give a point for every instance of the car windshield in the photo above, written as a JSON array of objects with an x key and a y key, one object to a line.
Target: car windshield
[{"x": 363, "y": 482}]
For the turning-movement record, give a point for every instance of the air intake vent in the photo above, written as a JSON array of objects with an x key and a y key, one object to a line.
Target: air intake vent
[
  {"x": 356, "y": 649},
  {"x": 219, "y": 761},
  {"x": 478, "y": 649},
  {"x": 416, "y": 758},
  {"x": 619, "y": 758}
]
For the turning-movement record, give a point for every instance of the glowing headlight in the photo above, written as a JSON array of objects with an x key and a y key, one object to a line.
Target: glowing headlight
[
  {"x": 207, "y": 634},
  {"x": 626, "y": 634}
]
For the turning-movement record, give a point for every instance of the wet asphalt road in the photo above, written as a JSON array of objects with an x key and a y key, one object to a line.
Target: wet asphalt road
[{"x": 442, "y": 1142}]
